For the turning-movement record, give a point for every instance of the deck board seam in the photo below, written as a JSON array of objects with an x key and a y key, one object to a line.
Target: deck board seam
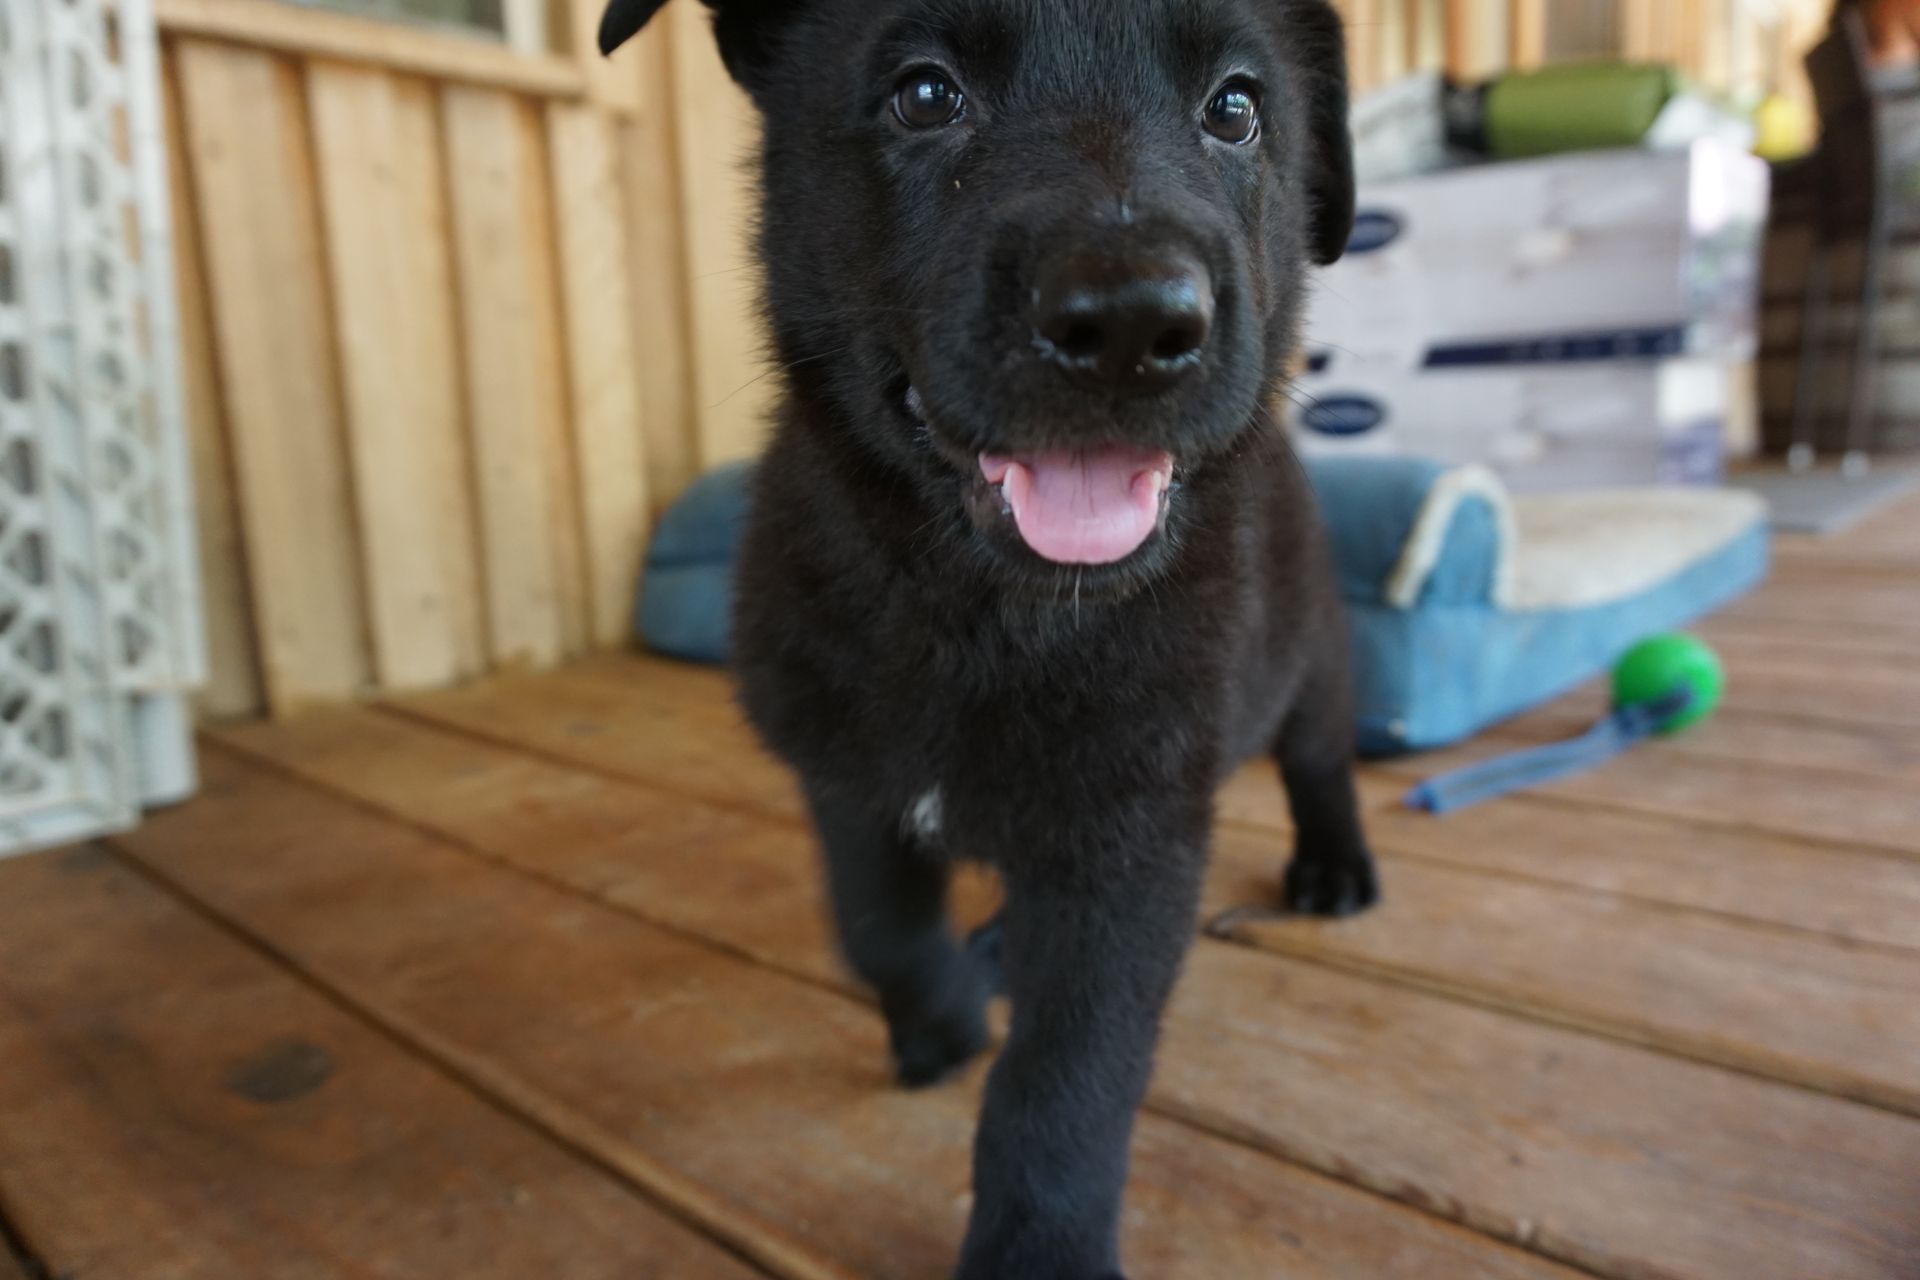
[
  {"x": 1571, "y": 1020},
  {"x": 1696, "y": 822}
]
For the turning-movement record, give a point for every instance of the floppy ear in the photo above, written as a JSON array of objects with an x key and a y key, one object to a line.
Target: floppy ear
[
  {"x": 743, "y": 28},
  {"x": 1329, "y": 136}
]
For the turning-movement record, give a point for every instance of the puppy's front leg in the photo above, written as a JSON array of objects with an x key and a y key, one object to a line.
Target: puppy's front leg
[
  {"x": 889, "y": 903},
  {"x": 1093, "y": 941}
]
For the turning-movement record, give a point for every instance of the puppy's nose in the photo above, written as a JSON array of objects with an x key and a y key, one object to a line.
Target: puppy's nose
[{"x": 1134, "y": 323}]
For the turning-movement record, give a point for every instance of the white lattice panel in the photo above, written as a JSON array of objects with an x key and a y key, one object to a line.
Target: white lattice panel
[{"x": 99, "y": 630}]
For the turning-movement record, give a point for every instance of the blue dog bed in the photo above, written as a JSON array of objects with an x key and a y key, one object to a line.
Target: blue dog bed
[{"x": 1469, "y": 605}]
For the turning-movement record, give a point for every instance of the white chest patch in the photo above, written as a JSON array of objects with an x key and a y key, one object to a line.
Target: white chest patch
[{"x": 922, "y": 819}]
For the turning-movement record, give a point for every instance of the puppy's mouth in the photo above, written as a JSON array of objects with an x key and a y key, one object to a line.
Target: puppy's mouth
[{"x": 1087, "y": 506}]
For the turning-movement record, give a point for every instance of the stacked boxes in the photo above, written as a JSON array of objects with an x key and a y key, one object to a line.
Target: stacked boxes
[{"x": 1574, "y": 321}]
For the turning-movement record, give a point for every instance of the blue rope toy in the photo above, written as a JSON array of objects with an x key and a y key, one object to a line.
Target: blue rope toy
[{"x": 1664, "y": 685}]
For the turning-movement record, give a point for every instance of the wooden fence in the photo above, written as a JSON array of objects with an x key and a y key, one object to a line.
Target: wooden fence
[{"x": 459, "y": 320}]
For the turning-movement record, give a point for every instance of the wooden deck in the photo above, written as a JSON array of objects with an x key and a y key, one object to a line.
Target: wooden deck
[{"x": 531, "y": 980}]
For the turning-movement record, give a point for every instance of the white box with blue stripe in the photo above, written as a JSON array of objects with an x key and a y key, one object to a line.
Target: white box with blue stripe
[{"x": 1584, "y": 319}]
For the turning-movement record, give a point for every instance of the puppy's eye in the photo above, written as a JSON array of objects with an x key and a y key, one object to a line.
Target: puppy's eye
[
  {"x": 927, "y": 99},
  {"x": 1234, "y": 114}
]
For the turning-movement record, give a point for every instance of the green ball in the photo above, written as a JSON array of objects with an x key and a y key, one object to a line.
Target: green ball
[{"x": 1653, "y": 669}]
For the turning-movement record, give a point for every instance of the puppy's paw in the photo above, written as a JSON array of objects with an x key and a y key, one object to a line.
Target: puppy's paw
[
  {"x": 1333, "y": 887},
  {"x": 929, "y": 1051}
]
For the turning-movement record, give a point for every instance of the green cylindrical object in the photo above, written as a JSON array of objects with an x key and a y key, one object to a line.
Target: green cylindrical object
[
  {"x": 1582, "y": 106},
  {"x": 1655, "y": 668}
]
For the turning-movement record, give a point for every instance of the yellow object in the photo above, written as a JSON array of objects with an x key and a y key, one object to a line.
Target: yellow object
[{"x": 1785, "y": 128}]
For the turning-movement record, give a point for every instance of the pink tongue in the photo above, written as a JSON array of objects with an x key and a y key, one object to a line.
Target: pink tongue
[{"x": 1094, "y": 506}]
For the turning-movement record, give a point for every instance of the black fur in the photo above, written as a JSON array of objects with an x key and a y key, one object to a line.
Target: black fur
[{"x": 895, "y": 639}]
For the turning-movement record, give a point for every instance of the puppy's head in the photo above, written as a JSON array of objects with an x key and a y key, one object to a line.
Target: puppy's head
[{"x": 1044, "y": 257}]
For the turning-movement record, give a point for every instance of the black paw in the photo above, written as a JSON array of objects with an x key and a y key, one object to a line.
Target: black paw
[
  {"x": 1330, "y": 887},
  {"x": 929, "y": 1051}
]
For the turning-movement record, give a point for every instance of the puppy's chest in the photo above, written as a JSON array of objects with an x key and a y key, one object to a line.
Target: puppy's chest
[{"x": 979, "y": 778}]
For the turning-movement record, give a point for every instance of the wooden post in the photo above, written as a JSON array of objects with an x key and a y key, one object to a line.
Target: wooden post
[
  {"x": 1477, "y": 42},
  {"x": 1527, "y": 23}
]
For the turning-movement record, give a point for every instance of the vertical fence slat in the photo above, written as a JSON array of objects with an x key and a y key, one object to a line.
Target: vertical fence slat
[
  {"x": 253, "y": 183},
  {"x": 608, "y": 431},
  {"x": 1527, "y": 25},
  {"x": 1477, "y": 39},
  {"x": 233, "y": 677},
  {"x": 658, "y": 261},
  {"x": 716, "y": 128},
  {"x": 378, "y": 166},
  {"x": 515, "y": 401}
]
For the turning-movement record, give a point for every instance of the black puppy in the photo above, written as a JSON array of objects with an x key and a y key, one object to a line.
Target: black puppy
[{"x": 1030, "y": 568}]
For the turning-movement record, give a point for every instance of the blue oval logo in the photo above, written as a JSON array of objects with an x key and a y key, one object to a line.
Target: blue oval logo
[
  {"x": 1373, "y": 232},
  {"x": 1343, "y": 415}
]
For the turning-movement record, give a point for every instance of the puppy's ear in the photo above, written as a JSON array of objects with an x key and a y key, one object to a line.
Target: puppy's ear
[
  {"x": 623, "y": 19},
  {"x": 744, "y": 29},
  {"x": 1323, "y": 43}
]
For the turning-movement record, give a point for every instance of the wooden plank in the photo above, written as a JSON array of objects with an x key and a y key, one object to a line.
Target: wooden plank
[
  {"x": 1866, "y": 679},
  {"x": 636, "y": 1034},
  {"x": 1427, "y": 39},
  {"x": 1890, "y": 556},
  {"x": 650, "y": 166},
  {"x": 510, "y": 324},
  {"x": 1624, "y": 1162},
  {"x": 1397, "y": 39},
  {"x": 1802, "y": 628},
  {"x": 1866, "y": 603},
  {"x": 1477, "y": 40},
  {"x": 178, "y": 1106},
  {"x": 314, "y": 32},
  {"x": 1527, "y": 30},
  {"x": 1727, "y": 794},
  {"x": 602, "y": 364},
  {"x": 1640, "y": 30},
  {"x": 1854, "y": 896},
  {"x": 377, "y": 146},
  {"x": 677, "y": 726},
  {"x": 717, "y": 131},
  {"x": 1362, "y": 19},
  {"x": 1793, "y": 1006},
  {"x": 1794, "y": 722},
  {"x": 1892, "y": 532},
  {"x": 1800, "y": 1008},
  {"x": 233, "y": 670},
  {"x": 253, "y": 184}
]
